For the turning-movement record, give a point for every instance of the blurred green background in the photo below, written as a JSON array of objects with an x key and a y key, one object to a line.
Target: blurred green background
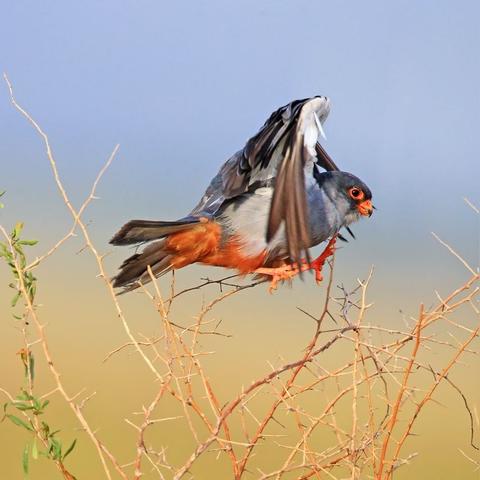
[{"x": 181, "y": 86}]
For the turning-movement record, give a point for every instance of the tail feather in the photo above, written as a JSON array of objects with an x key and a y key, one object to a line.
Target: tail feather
[
  {"x": 181, "y": 243},
  {"x": 135, "y": 268},
  {"x": 137, "y": 231}
]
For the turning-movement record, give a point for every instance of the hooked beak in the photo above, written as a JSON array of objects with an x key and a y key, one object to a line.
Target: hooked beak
[{"x": 365, "y": 208}]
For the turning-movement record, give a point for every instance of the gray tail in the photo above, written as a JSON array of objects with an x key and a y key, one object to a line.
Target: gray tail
[
  {"x": 138, "y": 231},
  {"x": 134, "y": 270}
]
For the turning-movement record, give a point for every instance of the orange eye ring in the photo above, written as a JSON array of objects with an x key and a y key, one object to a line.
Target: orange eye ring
[{"x": 356, "y": 193}]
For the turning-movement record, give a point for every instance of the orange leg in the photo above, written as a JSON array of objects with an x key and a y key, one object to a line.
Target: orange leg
[
  {"x": 319, "y": 262},
  {"x": 289, "y": 271}
]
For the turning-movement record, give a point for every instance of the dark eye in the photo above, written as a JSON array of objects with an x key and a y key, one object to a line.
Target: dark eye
[{"x": 356, "y": 193}]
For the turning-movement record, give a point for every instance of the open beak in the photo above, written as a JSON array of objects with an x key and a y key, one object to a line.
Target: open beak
[{"x": 365, "y": 208}]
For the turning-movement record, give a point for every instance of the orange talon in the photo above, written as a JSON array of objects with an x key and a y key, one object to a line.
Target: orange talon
[
  {"x": 319, "y": 262},
  {"x": 288, "y": 271},
  {"x": 278, "y": 274}
]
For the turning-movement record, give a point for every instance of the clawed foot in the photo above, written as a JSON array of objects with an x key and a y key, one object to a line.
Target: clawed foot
[
  {"x": 289, "y": 271},
  {"x": 279, "y": 274},
  {"x": 319, "y": 262}
]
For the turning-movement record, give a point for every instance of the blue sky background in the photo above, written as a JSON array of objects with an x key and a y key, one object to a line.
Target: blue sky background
[{"x": 181, "y": 86}]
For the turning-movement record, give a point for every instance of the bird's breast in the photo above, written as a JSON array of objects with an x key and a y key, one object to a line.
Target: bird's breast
[{"x": 245, "y": 220}]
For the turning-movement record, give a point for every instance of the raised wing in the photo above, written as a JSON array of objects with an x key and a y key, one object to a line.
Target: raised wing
[{"x": 279, "y": 154}]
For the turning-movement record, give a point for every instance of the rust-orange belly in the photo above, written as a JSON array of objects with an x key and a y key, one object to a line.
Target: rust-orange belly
[{"x": 203, "y": 243}]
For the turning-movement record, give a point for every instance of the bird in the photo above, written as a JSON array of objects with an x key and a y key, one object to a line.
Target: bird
[{"x": 269, "y": 203}]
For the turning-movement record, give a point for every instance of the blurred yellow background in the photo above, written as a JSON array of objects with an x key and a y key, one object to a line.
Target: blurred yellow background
[{"x": 82, "y": 328}]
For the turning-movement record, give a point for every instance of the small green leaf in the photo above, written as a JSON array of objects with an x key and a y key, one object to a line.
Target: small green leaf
[
  {"x": 28, "y": 242},
  {"x": 35, "y": 449},
  {"x": 22, "y": 406},
  {"x": 24, "y": 396},
  {"x": 70, "y": 448},
  {"x": 15, "y": 298},
  {"x": 55, "y": 449},
  {"x": 45, "y": 430},
  {"x": 36, "y": 403},
  {"x": 31, "y": 292},
  {"x": 17, "y": 230},
  {"x": 31, "y": 366},
  {"x": 18, "y": 247},
  {"x": 19, "y": 422},
  {"x": 25, "y": 460}
]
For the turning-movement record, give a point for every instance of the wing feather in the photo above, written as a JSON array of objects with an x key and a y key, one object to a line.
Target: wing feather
[
  {"x": 289, "y": 202},
  {"x": 281, "y": 152}
]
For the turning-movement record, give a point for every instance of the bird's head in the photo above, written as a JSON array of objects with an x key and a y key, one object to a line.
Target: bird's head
[{"x": 348, "y": 193}]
